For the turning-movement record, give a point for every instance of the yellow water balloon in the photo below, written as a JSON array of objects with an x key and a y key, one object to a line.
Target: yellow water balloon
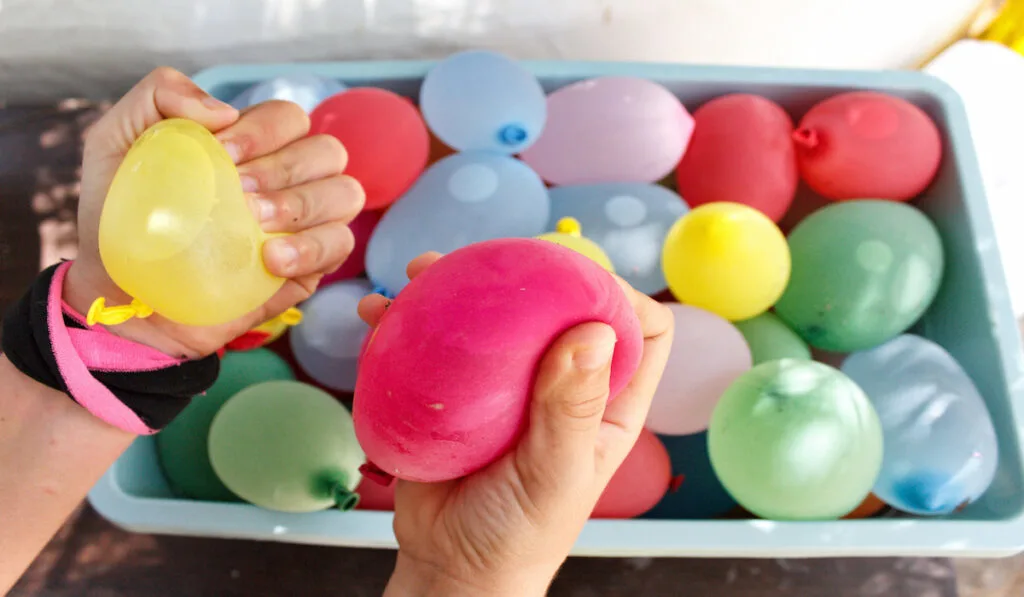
[
  {"x": 569, "y": 234},
  {"x": 726, "y": 258},
  {"x": 177, "y": 235}
]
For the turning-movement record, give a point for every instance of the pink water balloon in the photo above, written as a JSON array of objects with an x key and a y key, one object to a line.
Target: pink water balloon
[
  {"x": 708, "y": 354},
  {"x": 610, "y": 129}
]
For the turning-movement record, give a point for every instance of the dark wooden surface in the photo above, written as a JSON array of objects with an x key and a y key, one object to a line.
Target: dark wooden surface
[{"x": 40, "y": 151}]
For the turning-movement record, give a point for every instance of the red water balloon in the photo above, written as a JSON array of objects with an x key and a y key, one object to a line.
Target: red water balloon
[
  {"x": 386, "y": 139},
  {"x": 361, "y": 227},
  {"x": 867, "y": 145},
  {"x": 374, "y": 496},
  {"x": 741, "y": 152},
  {"x": 640, "y": 483}
]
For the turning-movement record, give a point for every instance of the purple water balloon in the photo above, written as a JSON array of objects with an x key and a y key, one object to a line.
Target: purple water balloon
[{"x": 610, "y": 129}]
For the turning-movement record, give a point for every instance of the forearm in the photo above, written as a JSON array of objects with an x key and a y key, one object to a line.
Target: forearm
[
  {"x": 52, "y": 451},
  {"x": 413, "y": 579}
]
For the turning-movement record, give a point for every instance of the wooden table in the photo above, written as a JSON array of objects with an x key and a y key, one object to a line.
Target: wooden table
[{"x": 40, "y": 153}]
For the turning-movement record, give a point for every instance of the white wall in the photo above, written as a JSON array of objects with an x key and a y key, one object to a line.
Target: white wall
[{"x": 51, "y": 48}]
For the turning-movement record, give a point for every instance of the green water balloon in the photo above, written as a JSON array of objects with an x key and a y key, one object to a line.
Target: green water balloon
[
  {"x": 863, "y": 272},
  {"x": 770, "y": 339},
  {"x": 796, "y": 440},
  {"x": 182, "y": 445},
  {"x": 287, "y": 446}
]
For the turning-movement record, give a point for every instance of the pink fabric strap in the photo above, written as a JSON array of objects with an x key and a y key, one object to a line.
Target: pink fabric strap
[{"x": 76, "y": 353}]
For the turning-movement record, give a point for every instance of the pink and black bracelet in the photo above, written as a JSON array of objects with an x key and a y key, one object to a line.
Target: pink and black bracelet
[{"x": 129, "y": 385}]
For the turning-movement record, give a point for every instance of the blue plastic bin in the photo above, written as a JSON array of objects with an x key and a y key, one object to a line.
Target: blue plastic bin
[{"x": 971, "y": 318}]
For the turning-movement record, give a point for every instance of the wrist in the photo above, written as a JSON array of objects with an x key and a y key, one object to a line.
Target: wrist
[
  {"x": 413, "y": 578},
  {"x": 83, "y": 285}
]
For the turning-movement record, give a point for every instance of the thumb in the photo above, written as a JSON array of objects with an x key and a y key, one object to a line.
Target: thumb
[
  {"x": 163, "y": 93},
  {"x": 569, "y": 399}
]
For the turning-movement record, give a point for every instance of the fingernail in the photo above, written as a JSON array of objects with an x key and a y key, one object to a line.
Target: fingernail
[
  {"x": 214, "y": 103},
  {"x": 595, "y": 348},
  {"x": 250, "y": 184},
  {"x": 285, "y": 253},
  {"x": 268, "y": 209},
  {"x": 234, "y": 150}
]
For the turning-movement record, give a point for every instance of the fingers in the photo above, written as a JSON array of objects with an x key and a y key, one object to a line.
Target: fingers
[
  {"x": 313, "y": 251},
  {"x": 263, "y": 130},
  {"x": 163, "y": 93},
  {"x": 305, "y": 160},
  {"x": 333, "y": 199},
  {"x": 416, "y": 266},
  {"x": 372, "y": 308},
  {"x": 625, "y": 416},
  {"x": 569, "y": 399}
]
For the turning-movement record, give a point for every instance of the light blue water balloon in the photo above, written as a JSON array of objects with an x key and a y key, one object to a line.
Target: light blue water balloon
[
  {"x": 305, "y": 90},
  {"x": 628, "y": 220},
  {"x": 482, "y": 100},
  {"x": 700, "y": 494},
  {"x": 462, "y": 199},
  {"x": 940, "y": 444},
  {"x": 326, "y": 343}
]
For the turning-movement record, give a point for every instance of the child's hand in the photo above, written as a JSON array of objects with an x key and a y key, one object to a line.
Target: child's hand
[
  {"x": 506, "y": 529},
  {"x": 294, "y": 184}
]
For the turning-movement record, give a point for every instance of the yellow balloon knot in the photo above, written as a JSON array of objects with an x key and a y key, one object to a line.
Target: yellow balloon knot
[
  {"x": 570, "y": 226},
  {"x": 99, "y": 312},
  {"x": 291, "y": 317}
]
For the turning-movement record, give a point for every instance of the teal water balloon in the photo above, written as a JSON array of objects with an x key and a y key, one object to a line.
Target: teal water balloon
[
  {"x": 303, "y": 89},
  {"x": 863, "y": 272},
  {"x": 287, "y": 446},
  {"x": 770, "y": 339},
  {"x": 940, "y": 443},
  {"x": 796, "y": 440},
  {"x": 182, "y": 445},
  {"x": 327, "y": 342},
  {"x": 628, "y": 220},
  {"x": 463, "y": 199},
  {"x": 697, "y": 493},
  {"x": 482, "y": 100}
]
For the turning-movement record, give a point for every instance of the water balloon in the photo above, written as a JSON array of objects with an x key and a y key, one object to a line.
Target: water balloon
[
  {"x": 287, "y": 446},
  {"x": 796, "y": 440},
  {"x": 629, "y": 221},
  {"x": 940, "y": 444},
  {"x": 385, "y": 138},
  {"x": 482, "y": 100},
  {"x": 699, "y": 493},
  {"x": 610, "y": 129},
  {"x": 182, "y": 445},
  {"x": 640, "y": 482},
  {"x": 867, "y": 144},
  {"x": 569, "y": 234},
  {"x": 300, "y": 88},
  {"x": 741, "y": 152},
  {"x": 770, "y": 339},
  {"x": 446, "y": 378},
  {"x": 863, "y": 272},
  {"x": 465, "y": 198},
  {"x": 326, "y": 344},
  {"x": 727, "y": 258},
  {"x": 177, "y": 235},
  {"x": 708, "y": 354}
]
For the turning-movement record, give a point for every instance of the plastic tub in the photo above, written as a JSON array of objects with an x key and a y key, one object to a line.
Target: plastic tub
[{"x": 971, "y": 318}]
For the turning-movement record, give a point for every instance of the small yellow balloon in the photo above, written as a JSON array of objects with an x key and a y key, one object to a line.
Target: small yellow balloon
[
  {"x": 569, "y": 234},
  {"x": 177, "y": 235},
  {"x": 726, "y": 258}
]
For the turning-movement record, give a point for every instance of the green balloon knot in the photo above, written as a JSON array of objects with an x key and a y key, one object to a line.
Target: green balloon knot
[{"x": 344, "y": 499}]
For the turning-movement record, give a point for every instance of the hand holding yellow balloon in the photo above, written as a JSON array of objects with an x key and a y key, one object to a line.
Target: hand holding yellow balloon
[
  {"x": 726, "y": 258},
  {"x": 569, "y": 234},
  {"x": 177, "y": 235}
]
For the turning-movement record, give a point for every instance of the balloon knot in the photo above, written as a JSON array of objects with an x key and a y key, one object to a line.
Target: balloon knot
[
  {"x": 806, "y": 138},
  {"x": 99, "y": 312},
  {"x": 512, "y": 134},
  {"x": 384, "y": 292},
  {"x": 570, "y": 226},
  {"x": 376, "y": 474},
  {"x": 291, "y": 317}
]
